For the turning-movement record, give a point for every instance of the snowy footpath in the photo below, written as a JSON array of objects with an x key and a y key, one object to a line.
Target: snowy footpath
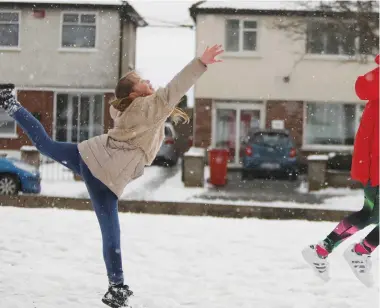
[
  {"x": 165, "y": 185},
  {"x": 52, "y": 258}
]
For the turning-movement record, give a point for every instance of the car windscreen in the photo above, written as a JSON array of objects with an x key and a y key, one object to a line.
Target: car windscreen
[{"x": 271, "y": 139}]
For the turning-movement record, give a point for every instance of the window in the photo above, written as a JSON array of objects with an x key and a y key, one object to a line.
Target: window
[
  {"x": 78, "y": 30},
  {"x": 330, "y": 39},
  {"x": 241, "y": 35},
  {"x": 332, "y": 124},
  {"x": 78, "y": 117},
  {"x": 7, "y": 124},
  {"x": 9, "y": 29}
]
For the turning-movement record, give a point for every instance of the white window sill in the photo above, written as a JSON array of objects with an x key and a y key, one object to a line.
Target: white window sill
[
  {"x": 240, "y": 54},
  {"x": 80, "y": 50},
  {"x": 325, "y": 148},
  {"x": 9, "y": 136},
  {"x": 340, "y": 58},
  {"x": 14, "y": 49}
]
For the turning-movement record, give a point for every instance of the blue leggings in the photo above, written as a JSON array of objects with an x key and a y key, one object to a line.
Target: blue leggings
[{"x": 104, "y": 201}]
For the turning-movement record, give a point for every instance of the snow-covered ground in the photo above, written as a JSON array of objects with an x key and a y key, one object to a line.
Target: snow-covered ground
[
  {"x": 67, "y": 187},
  {"x": 169, "y": 187},
  {"x": 52, "y": 258},
  {"x": 352, "y": 201}
]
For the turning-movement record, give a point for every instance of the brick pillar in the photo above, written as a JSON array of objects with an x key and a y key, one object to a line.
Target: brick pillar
[
  {"x": 30, "y": 155},
  {"x": 317, "y": 172},
  {"x": 203, "y": 122}
]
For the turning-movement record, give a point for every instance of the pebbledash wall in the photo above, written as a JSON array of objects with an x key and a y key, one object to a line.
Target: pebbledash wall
[
  {"x": 40, "y": 61},
  {"x": 257, "y": 77},
  {"x": 42, "y": 69}
]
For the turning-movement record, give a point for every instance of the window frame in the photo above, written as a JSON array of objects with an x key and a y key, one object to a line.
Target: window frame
[
  {"x": 13, "y": 135},
  {"x": 242, "y": 52},
  {"x": 71, "y": 94},
  {"x": 79, "y": 49},
  {"x": 18, "y": 47},
  {"x": 328, "y": 55},
  {"x": 238, "y": 106},
  {"x": 327, "y": 147}
]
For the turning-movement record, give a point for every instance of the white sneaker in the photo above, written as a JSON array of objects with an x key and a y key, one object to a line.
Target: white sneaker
[
  {"x": 319, "y": 264},
  {"x": 360, "y": 264}
]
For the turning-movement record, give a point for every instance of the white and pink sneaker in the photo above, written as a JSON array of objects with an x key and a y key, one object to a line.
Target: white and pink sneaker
[
  {"x": 316, "y": 256},
  {"x": 360, "y": 263}
]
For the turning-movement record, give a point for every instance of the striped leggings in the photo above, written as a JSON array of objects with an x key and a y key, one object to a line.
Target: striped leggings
[{"x": 368, "y": 215}]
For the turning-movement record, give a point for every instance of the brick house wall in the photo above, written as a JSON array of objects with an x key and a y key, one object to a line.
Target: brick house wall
[
  {"x": 203, "y": 122},
  {"x": 108, "y": 122},
  {"x": 36, "y": 102},
  {"x": 292, "y": 115},
  {"x": 42, "y": 102},
  {"x": 291, "y": 112}
]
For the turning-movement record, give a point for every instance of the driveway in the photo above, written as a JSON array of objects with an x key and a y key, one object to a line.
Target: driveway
[
  {"x": 152, "y": 179},
  {"x": 262, "y": 190}
]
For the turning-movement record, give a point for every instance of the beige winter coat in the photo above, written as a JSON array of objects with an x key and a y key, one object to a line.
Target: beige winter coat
[{"x": 120, "y": 156}]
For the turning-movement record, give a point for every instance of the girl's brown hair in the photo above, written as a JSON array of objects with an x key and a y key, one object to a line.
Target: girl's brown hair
[{"x": 122, "y": 101}]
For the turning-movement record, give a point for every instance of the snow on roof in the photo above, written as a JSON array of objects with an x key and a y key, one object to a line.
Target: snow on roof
[
  {"x": 197, "y": 152},
  {"x": 28, "y": 148},
  {"x": 252, "y": 5},
  {"x": 133, "y": 14},
  {"x": 272, "y": 5},
  {"x": 90, "y": 2},
  {"x": 318, "y": 157}
]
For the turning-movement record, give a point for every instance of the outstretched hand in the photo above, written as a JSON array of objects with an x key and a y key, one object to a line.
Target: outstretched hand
[{"x": 209, "y": 54}]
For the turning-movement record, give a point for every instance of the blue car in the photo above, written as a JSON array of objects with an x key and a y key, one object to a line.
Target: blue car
[
  {"x": 17, "y": 176},
  {"x": 270, "y": 153}
]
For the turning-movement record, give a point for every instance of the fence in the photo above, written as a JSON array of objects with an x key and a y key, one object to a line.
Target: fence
[{"x": 53, "y": 171}]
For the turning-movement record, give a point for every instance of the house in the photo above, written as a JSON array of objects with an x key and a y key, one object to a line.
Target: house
[
  {"x": 274, "y": 78},
  {"x": 65, "y": 58}
]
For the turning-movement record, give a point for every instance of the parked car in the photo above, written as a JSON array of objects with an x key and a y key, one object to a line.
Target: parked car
[
  {"x": 269, "y": 153},
  {"x": 17, "y": 176},
  {"x": 339, "y": 161},
  {"x": 168, "y": 155}
]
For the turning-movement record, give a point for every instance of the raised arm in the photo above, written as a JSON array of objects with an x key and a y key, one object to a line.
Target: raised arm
[{"x": 160, "y": 105}]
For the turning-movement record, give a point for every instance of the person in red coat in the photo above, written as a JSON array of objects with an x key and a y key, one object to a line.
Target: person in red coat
[{"x": 365, "y": 169}]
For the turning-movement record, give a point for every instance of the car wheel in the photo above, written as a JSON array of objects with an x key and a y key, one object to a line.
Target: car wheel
[
  {"x": 9, "y": 185},
  {"x": 245, "y": 174},
  {"x": 293, "y": 176},
  {"x": 169, "y": 163}
]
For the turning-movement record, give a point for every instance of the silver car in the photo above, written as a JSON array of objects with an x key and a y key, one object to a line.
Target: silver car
[{"x": 168, "y": 154}]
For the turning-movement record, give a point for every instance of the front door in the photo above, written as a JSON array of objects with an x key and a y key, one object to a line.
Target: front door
[{"x": 231, "y": 124}]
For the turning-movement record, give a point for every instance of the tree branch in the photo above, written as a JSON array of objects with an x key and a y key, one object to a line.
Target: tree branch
[{"x": 347, "y": 19}]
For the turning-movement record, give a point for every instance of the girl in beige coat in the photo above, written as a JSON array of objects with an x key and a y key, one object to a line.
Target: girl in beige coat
[{"x": 107, "y": 163}]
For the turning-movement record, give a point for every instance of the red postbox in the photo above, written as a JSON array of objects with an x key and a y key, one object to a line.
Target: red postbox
[{"x": 218, "y": 160}]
